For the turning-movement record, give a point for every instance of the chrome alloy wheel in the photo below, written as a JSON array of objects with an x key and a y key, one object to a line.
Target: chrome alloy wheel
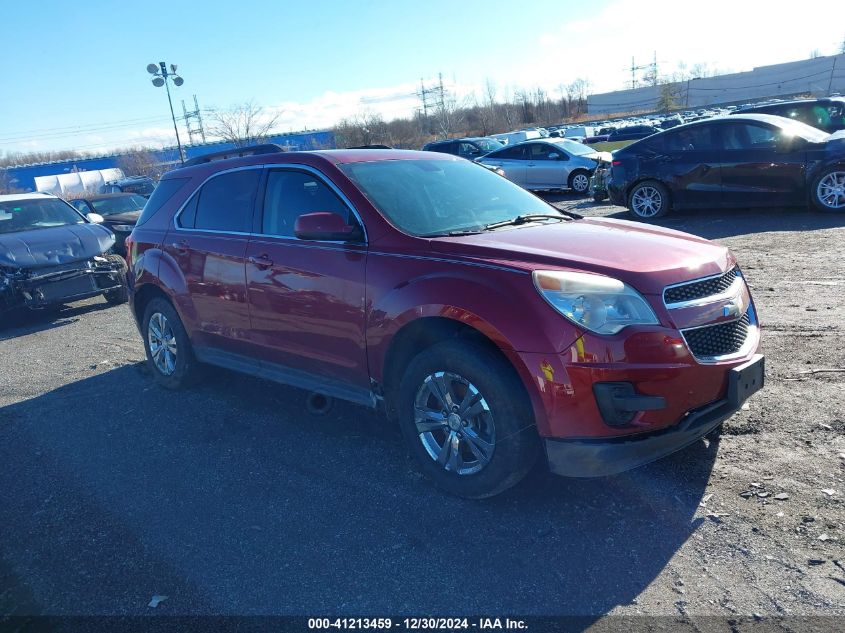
[
  {"x": 646, "y": 202},
  {"x": 162, "y": 343},
  {"x": 454, "y": 423},
  {"x": 580, "y": 183},
  {"x": 831, "y": 190}
]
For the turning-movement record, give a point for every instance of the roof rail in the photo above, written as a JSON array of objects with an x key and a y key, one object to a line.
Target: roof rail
[{"x": 237, "y": 152}]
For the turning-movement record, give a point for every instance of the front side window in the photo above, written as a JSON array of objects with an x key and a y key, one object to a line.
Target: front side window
[
  {"x": 38, "y": 213},
  {"x": 225, "y": 202},
  {"x": 539, "y": 151},
  {"x": 433, "y": 197},
  {"x": 749, "y": 136},
  {"x": 290, "y": 194}
]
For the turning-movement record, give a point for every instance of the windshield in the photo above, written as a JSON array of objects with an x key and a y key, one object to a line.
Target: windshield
[
  {"x": 26, "y": 215},
  {"x": 431, "y": 197},
  {"x": 118, "y": 204},
  {"x": 489, "y": 145},
  {"x": 575, "y": 148}
]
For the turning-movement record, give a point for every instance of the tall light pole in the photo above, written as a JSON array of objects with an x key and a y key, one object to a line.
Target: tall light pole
[{"x": 160, "y": 77}]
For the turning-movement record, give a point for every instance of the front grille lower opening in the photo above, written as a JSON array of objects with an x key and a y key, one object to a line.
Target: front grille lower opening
[{"x": 719, "y": 340}]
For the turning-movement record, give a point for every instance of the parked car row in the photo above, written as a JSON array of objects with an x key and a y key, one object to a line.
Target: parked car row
[{"x": 740, "y": 160}]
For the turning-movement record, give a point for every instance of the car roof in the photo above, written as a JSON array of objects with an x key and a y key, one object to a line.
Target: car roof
[
  {"x": 325, "y": 156},
  {"x": 37, "y": 195},
  {"x": 794, "y": 102},
  {"x": 105, "y": 196}
]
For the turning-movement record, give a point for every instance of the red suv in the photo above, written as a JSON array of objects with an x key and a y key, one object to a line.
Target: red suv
[{"x": 490, "y": 325}]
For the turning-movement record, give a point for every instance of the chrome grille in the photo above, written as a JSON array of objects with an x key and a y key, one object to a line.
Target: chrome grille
[
  {"x": 699, "y": 289},
  {"x": 723, "y": 339}
]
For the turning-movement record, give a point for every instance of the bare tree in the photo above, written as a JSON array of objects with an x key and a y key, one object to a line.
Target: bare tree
[
  {"x": 243, "y": 124},
  {"x": 842, "y": 47},
  {"x": 139, "y": 161},
  {"x": 815, "y": 53}
]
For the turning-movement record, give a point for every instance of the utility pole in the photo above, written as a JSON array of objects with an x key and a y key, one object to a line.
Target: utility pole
[
  {"x": 194, "y": 129},
  {"x": 634, "y": 68}
]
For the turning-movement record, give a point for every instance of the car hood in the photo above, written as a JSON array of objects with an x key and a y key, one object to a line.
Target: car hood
[
  {"x": 644, "y": 256},
  {"x": 130, "y": 217},
  {"x": 57, "y": 245}
]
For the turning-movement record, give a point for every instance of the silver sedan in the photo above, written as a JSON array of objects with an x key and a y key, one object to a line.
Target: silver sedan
[{"x": 546, "y": 164}]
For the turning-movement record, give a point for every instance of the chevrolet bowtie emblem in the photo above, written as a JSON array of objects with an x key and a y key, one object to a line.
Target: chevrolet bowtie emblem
[{"x": 730, "y": 309}]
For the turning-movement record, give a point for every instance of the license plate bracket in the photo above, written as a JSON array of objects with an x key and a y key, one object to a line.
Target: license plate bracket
[{"x": 746, "y": 379}]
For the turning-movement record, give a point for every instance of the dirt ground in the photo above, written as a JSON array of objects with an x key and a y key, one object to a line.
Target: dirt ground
[{"x": 230, "y": 499}]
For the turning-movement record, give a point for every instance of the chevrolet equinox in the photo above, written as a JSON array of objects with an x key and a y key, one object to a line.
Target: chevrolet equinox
[{"x": 491, "y": 326}]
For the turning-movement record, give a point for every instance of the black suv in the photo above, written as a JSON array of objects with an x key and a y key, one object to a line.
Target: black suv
[
  {"x": 470, "y": 148},
  {"x": 142, "y": 185},
  {"x": 825, "y": 114}
]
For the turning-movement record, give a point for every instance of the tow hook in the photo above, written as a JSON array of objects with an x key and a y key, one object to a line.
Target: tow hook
[{"x": 318, "y": 404}]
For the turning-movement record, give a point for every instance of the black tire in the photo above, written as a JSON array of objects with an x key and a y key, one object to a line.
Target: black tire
[
  {"x": 121, "y": 294},
  {"x": 505, "y": 409},
  {"x": 836, "y": 172},
  {"x": 186, "y": 369},
  {"x": 650, "y": 189},
  {"x": 579, "y": 185}
]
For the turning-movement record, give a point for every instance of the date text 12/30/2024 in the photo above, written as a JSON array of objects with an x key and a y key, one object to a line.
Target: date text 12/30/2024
[{"x": 417, "y": 624}]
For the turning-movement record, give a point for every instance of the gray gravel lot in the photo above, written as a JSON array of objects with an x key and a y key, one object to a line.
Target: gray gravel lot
[{"x": 230, "y": 499}]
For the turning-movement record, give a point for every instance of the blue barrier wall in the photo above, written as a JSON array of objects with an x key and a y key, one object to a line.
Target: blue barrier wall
[{"x": 23, "y": 177}]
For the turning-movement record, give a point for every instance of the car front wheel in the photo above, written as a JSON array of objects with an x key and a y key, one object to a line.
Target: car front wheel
[
  {"x": 828, "y": 192},
  {"x": 579, "y": 182},
  {"x": 648, "y": 199},
  {"x": 467, "y": 419}
]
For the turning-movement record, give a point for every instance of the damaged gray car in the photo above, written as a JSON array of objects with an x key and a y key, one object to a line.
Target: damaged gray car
[{"x": 51, "y": 254}]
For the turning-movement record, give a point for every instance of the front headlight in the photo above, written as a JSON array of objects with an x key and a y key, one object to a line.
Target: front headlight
[
  {"x": 600, "y": 304},
  {"x": 123, "y": 228}
]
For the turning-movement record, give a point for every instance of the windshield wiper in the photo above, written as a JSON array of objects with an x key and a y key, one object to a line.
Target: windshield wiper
[
  {"x": 525, "y": 219},
  {"x": 455, "y": 232}
]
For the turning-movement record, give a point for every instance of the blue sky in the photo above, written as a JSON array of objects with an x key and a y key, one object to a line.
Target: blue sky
[{"x": 74, "y": 73}]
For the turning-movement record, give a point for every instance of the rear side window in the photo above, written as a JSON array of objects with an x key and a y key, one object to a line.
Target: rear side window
[
  {"x": 514, "y": 152},
  {"x": 290, "y": 194},
  {"x": 225, "y": 202},
  {"x": 690, "y": 139},
  {"x": 164, "y": 191}
]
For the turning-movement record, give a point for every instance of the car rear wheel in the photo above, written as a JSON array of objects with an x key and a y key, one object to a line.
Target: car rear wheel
[
  {"x": 121, "y": 294},
  {"x": 169, "y": 353},
  {"x": 467, "y": 419},
  {"x": 579, "y": 182},
  {"x": 648, "y": 199},
  {"x": 828, "y": 192}
]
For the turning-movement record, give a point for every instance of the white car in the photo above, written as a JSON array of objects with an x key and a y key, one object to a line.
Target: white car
[{"x": 546, "y": 164}]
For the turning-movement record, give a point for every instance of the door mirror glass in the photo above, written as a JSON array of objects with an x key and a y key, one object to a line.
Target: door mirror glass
[{"x": 325, "y": 226}]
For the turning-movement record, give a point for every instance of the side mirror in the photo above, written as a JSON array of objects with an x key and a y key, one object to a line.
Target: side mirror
[
  {"x": 326, "y": 226},
  {"x": 554, "y": 156},
  {"x": 95, "y": 218}
]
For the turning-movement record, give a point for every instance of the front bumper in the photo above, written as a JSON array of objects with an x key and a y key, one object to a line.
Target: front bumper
[
  {"x": 609, "y": 456},
  {"x": 60, "y": 284}
]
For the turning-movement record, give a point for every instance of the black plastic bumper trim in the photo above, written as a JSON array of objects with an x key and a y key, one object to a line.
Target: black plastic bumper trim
[{"x": 610, "y": 456}]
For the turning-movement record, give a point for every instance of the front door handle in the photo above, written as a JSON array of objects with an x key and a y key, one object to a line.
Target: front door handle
[{"x": 262, "y": 262}]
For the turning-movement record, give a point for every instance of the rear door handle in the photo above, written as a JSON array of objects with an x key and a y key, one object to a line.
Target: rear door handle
[
  {"x": 263, "y": 261},
  {"x": 181, "y": 247}
]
